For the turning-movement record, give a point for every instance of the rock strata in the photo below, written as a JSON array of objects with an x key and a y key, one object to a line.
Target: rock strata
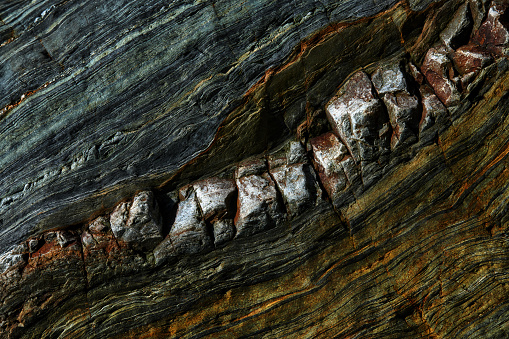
[{"x": 385, "y": 216}]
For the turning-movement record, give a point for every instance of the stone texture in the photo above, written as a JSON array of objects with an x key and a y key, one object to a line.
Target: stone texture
[
  {"x": 457, "y": 32},
  {"x": 438, "y": 70},
  {"x": 389, "y": 79},
  {"x": 296, "y": 184},
  {"x": 189, "y": 234},
  {"x": 414, "y": 245},
  {"x": 138, "y": 223},
  {"x": 433, "y": 111},
  {"x": 259, "y": 206},
  {"x": 329, "y": 153},
  {"x": 404, "y": 115},
  {"x": 355, "y": 114},
  {"x": 494, "y": 32},
  {"x": 224, "y": 231},
  {"x": 470, "y": 58},
  {"x": 215, "y": 197}
]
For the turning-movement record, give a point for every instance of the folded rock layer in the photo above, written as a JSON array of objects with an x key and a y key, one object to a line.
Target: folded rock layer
[{"x": 259, "y": 169}]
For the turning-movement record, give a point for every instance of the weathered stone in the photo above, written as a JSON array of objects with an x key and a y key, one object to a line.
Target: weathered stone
[
  {"x": 432, "y": 109},
  {"x": 224, "y": 231},
  {"x": 33, "y": 245},
  {"x": 138, "y": 223},
  {"x": 65, "y": 238},
  {"x": 403, "y": 110},
  {"x": 389, "y": 79},
  {"x": 328, "y": 153},
  {"x": 459, "y": 28},
  {"x": 99, "y": 225},
  {"x": 295, "y": 183},
  {"x": 416, "y": 73},
  {"x": 215, "y": 197},
  {"x": 296, "y": 153},
  {"x": 436, "y": 61},
  {"x": 258, "y": 204},
  {"x": 471, "y": 58},
  {"x": 87, "y": 240},
  {"x": 11, "y": 260},
  {"x": 250, "y": 167},
  {"x": 438, "y": 71},
  {"x": 164, "y": 252},
  {"x": 355, "y": 116},
  {"x": 189, "y": 234},
  {"x": 494, "y": 32}
]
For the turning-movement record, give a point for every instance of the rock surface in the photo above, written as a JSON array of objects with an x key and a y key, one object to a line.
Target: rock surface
[{"x": 391, "y": 222}]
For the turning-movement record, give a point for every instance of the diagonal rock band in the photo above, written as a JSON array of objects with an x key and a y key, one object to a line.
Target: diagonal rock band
[
  {"x": 371, "y": 116},
  {"x": 380, "y": 117}
]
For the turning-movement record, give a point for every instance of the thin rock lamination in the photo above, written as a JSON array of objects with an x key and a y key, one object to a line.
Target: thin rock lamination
[{"x": 366, "y": 115}]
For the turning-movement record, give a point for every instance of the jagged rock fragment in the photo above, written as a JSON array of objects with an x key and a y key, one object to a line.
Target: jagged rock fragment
[
  {"x": 138, "y": 223},
  {"x": 215, "y": 197},
  {"x": 389, "y": 79},
  {"x": 457, "y": 32},
  {"x": 416, "y": 73},
  {"x": 258, "y": 204},
  {"x": 471, "y": 58},
  {"x": 65, "y": 238},
  {"x": 356, "y": 115},
  {"x": 432, "y": 109},
  {"x": 223, "y": 231},
  {"x": 494, "y": 32},
  {"x": 189, "y": 234},
  {"x": 296, "y": 153},
  {"x": 328, "y": 154},
  {"x": 296, "y": 186},
  {"x": 437, "y": 69},
  {"x": 403, "y": 110}
]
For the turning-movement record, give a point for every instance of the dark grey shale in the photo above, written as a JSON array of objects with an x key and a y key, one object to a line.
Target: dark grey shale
[{"x": 136, "y": 90}]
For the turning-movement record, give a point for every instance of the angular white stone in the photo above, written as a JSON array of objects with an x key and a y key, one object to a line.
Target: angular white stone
[
  {"x": 295, "y": 184},
  {"x": 258, "y": 205},
  {"x": 188, "y": 233},
  {"x": 138, "y": 223},
  {"x": 389, "y": 79},
  {"x": 214, "y": 196}
]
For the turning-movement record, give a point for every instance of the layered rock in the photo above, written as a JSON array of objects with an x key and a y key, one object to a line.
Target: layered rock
[{"x": 405, "y": 240}]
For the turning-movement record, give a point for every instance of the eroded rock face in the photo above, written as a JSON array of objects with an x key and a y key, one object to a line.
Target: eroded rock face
[
  {"x": 356, "y": 115},
  {"x": 138, "y": 223},
  {"x": 259, "y": 206},
  {"x": 189, "y": 234},
  {"x": 437, "y": 69},
  {"x": 425, "y": 218}
]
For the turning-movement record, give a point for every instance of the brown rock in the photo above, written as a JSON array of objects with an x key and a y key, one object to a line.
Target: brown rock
[
  {"x": 438, "y": 71},
  {"x": 494, "y": 32},
  {"x": 328, "y": 154},
  {"x": 471, "y": 58}
]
